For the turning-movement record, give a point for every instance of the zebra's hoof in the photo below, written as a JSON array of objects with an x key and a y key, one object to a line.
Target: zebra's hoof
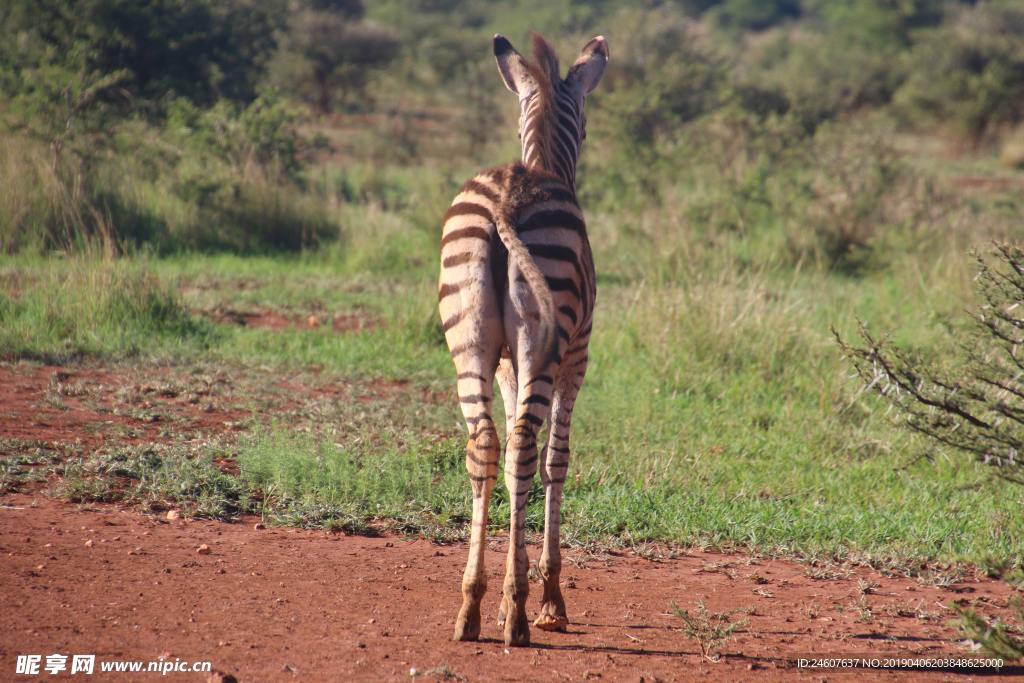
[
  {"x": 550, "y": 622},
  {"x": 467, "y": 626}
]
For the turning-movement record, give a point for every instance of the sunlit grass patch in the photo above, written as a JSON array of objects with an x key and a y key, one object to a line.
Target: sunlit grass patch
[{"x": 87, "y": 306}]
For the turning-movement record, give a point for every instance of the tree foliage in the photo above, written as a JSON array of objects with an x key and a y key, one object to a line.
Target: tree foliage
[
  {"x": 968, "y": 73},
  {"x": 329, "y": 52},
  {"x": 202, "y": 50}
]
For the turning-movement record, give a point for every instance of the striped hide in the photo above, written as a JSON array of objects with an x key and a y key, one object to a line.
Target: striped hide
[{"x": 516, "y": 298}]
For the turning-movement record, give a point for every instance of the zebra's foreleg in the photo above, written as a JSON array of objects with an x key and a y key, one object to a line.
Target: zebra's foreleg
[
  {"x": 506, "y": 376},
  {"x": 532, "y": 409},
  {"x": 520, "y": 468}
]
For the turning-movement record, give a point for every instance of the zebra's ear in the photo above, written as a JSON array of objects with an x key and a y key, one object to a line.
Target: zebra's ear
[
  {"x": 589, "y": 67},
  {"x": 512, "y": 67}
]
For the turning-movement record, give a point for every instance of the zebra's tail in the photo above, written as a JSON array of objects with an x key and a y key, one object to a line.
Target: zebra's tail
[{"x": 514, "y": 196}]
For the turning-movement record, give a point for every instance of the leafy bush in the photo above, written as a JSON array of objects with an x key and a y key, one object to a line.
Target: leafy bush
[
  {"x": 139, "y": 124},
  {"x": 968, "y": 73},
  {"x": 263, "y": 134},
  {"x": 846, "y": 188},
  {"x": 201, "y": 50},
  {"x": 646, "y": 101},
  {"x": 754, "y": 14}
]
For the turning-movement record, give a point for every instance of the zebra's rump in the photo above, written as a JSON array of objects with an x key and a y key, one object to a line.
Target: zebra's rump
[{"x": 477, "y": 277}]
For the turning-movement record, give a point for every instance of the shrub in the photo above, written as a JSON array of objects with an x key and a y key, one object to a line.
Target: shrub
[
  {"x": 263, "y": 134},
  {"x": 968, "y": 73},
  {"x": 711, "y": 630},
  {"x": 201, "y": 50},
  {"x": 978, "y": 408},
  {"x": 754, "y": 14},
  {"x": 847, "y": 188},
  {"x": 647, "y": 102},
  {"x": 996, "y": 638}
]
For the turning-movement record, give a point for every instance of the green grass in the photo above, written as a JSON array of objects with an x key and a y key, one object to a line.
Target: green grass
[
  {"x": 717, "y": 411},
  {"x": 65, "y": 308},
  {"x": 156, "y": 476},
  {"x": 789, "y": 505}
]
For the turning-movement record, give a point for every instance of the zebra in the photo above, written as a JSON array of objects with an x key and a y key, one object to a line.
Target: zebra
[{"x": 516, "y": 297}]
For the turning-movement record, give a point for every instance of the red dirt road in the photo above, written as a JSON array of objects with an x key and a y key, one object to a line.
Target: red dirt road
[
  {"x": 278, "y": 604},
  {"x": 289, "y": 605}
]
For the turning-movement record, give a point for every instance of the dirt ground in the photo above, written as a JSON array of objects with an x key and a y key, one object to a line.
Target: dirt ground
[
  {"x": 93, "y": 406},
  {"x": 291, "y": 605}
]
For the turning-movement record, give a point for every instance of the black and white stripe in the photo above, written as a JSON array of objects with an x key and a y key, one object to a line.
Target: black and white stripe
[{"x": 516, "y": 297}]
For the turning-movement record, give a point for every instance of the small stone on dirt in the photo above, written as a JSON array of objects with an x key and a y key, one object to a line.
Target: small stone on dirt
[
  {"x": 173, "y": 515},
  {"x": 203, "y": 549},
  {"x": 259, "y": 526},
  {"x": 89, "y": 543}
]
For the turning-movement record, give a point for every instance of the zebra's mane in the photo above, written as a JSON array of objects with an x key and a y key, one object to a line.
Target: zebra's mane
[{"x": 543, "y": 121}]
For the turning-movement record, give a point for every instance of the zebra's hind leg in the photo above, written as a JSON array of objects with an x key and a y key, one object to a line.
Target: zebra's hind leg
[
  {"x": 554, "y": 468},
  {"x": 482, "y": 451},
  {"x": 506, "y": 376}
]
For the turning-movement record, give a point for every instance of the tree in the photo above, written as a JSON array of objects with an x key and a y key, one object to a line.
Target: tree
[{"x": 328, "y": 49}]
